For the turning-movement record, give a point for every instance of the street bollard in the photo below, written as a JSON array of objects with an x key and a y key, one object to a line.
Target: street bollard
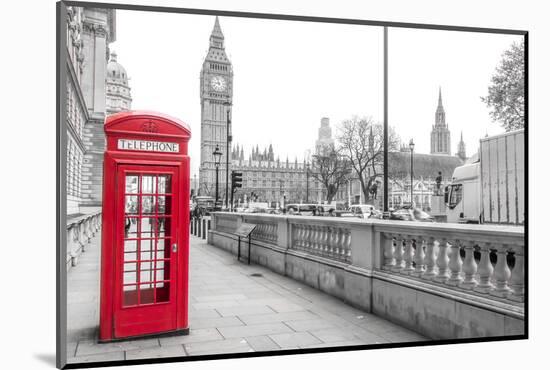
[
  {"x": 191, "y": 227},
  {"x": 199, "y": 228},
  {"x": 196, "y": 227},
  {"x": 203, "y": 228}
]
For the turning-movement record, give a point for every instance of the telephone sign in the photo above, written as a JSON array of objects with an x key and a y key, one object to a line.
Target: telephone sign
[{"x": 145, "y": 233}]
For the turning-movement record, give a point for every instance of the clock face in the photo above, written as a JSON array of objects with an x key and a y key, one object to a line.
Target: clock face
[{"x": 218, "y": 83}]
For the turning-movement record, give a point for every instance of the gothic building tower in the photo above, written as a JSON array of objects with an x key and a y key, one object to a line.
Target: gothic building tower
[
  {"x": 324, "y": 141},
  {"x": 216, "y": 92},
  {"x": 461, "y": 153},
  {"x": 441, "y": 136}
]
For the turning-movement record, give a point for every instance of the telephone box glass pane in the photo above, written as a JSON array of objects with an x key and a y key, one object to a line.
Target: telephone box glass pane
[
  {"x": 148, "y": 227},
  {"x": 131, "y": 204},
  {"x": 130, "y": 267},
  {"x": 149, "y": 184},
  {"x": 163, "y": 227},
  {"x": 147, "y": 250},
  {"x": 129, "y": 278},
  {"x": 147, "y": 204},
  {"x": 132, "y": 184},
  {"x": 130, "y": 246},
  {"x": 161, "y": 204},
  {"x": 130, "y": 227},
  {"x": 165, "y": 184}
]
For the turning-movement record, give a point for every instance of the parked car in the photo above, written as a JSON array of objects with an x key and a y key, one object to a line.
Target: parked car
[
  {"x": 405, "y": 214},
  {"x": 325, "y": 210},
  {"x": 362, "y": 210},
  {"x": 301, "y": 209}
]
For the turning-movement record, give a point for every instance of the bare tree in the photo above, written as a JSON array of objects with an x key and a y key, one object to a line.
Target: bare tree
[
  {"x": 362, "y": 144},
  {"x": 331, "y": 169}
]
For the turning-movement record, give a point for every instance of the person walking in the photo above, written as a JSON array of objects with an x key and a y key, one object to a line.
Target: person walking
[{"x": 438, "y": 180}]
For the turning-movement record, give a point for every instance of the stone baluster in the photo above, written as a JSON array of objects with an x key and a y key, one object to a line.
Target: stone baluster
[
  {"x": 338, "y": 242},
  {"x": 502, "y": 273},
  {"x": 469, "y": 267},
  {"x": 389, "y": 248},
  {"x": 328, "y": 247},
  {"x": 322, "y": 245},
  {"x": 419, "y": 257},
  {"x": 429, "y": 260},
  {"x": 408, "y": 255},
  {"x": 442, "y": 262},
  {"x": 301, "y": 236},
  {"x": 69, "y": 241},
  {"x": 297, "y": 240},
  {"x": 398, "y": 253},
  {"x": 314, "y": 235},
  {"x": 518, "y": 277},
  {"x": 334, "y": 242},
  {"x": 307, "y": 237},
  {"x": 275, "y": 233},
  {"x": 347, "y": 245},
  {"x": 485, "y": 270},
  {"x": 455, "y": 265}
]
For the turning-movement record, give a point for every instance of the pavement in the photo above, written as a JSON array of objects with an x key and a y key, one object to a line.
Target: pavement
[{"x": 234, "y": 308}]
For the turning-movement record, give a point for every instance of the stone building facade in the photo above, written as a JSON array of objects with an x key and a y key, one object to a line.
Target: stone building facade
[
  {"x": 271, "y": 180},
  {"x": 274, "y": 181},
  {"x": 216, "y": 93},
  {"x": 89, "y": 33}
]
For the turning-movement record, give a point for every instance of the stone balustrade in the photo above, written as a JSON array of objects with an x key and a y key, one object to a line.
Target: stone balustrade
[
  {"x": 329, "y": 241},
  {"x": 80, "y": 231},
  {"x": 426, "y": 276},
  {"x": 483, "y": 260},
  {"x": 264, "y": 231}
]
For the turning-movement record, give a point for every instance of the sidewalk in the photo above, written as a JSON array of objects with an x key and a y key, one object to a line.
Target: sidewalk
[{"x": 233, "y": 308}]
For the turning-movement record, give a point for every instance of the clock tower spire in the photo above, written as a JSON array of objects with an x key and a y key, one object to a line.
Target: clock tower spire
[{"x": 216, "y": 95}]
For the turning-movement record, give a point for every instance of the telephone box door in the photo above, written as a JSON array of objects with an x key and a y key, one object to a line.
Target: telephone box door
[{"x": 146, "y": 250}]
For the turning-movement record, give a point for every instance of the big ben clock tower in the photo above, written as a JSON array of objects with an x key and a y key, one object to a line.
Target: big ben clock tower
[{"x": 216, "y": 99}]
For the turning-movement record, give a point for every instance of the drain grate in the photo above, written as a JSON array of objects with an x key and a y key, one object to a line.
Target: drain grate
[{"x": 256, "y": 274}]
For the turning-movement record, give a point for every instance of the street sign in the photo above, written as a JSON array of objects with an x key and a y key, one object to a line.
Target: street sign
[{"x": 245, "y": 229}]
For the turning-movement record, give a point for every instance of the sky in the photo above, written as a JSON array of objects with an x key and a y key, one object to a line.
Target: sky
[{"x": 288, "y": 75}]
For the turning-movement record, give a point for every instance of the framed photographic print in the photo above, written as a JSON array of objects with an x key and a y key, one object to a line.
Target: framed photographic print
[{"x": 238, "y": 184}]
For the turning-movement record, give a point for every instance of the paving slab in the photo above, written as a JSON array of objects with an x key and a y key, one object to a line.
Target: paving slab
[
  {"x": 163, "y": 351},
  {"x": 308, "y": 325},
  {"x": 217, "y": 322},
  {"x": 254, "y": 330},
  {"x": 293, "y": 340},
  {"x": 277, "y": 317},
  {"x": 194, "y": 336},
  {"x": 234, "y": 345},
  {"x": 262, "y": 343}
]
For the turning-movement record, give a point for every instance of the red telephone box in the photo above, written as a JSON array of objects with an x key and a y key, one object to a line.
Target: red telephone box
[{"x": 145, "y": 232}]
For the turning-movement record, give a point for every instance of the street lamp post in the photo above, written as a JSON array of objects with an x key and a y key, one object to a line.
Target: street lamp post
[
  {"x": 411, "y": 146},
  {"x": 217, "y": 157},
  {"x": 307, "y": 183},
  {"x": 229, "y": 139}
]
